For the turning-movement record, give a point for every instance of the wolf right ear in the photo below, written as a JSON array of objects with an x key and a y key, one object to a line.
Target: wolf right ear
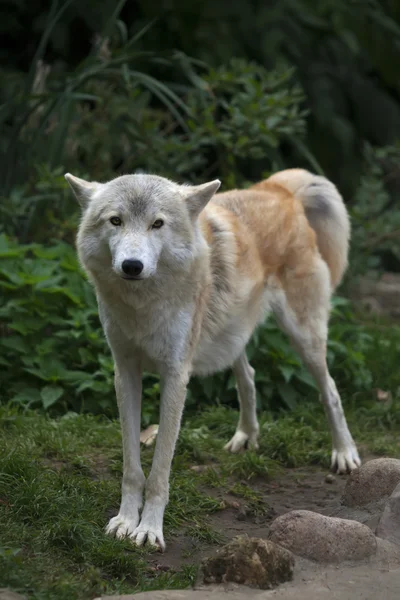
[
  {"x": 198, "y": 196},
  {"x": 82, "y": 189}
]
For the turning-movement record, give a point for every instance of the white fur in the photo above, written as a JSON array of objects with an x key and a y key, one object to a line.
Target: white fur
[{"x": 153, "y": 323}]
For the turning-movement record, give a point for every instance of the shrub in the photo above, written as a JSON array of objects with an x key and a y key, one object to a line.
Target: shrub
[
  {"x": 54, "y": 355},
  {"x": 376, "y": 214}
]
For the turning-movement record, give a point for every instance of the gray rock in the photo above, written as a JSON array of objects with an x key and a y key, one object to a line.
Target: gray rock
[
  {"x": 372, "y": 481},
  {"x": 379, "y": 297},
  {"x": 387, "y": 555},
  {"x": 250, "y": 561},
  {"x": 323, "y": 539},
  {"x": 389, "y": 524},
  {"x": 369, "y": 514}
]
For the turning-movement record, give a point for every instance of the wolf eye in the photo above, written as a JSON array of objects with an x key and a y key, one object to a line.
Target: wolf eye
[
  {"x": 157, "y": 224},
  {"x": 115, "y": 221}
]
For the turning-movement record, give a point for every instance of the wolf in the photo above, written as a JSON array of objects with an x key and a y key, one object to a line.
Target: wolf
[{"x": 183, "y": 276}]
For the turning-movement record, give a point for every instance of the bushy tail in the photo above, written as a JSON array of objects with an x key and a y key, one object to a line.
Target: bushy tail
[{"x": 326, "y": 213}]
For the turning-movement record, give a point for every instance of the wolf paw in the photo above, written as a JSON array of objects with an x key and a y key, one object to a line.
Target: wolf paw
[
  {"x": 345, "y": 460},
  {"x": 121, "y": 527},
  {"x": 149, "y": 534},
  {"x": 240, "y": 441}
]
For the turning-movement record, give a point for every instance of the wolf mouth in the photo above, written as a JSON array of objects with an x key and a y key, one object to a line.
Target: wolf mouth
[{"x": 132, "y": 278}]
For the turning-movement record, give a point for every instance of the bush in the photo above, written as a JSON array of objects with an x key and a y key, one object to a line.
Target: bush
[
  {"x": 240, "y": 121},
  {"x": 55, "y": 357},
  {"x": 42, "y": 109},
  {"x": 376, "y": 214},
  {"x": 108, "y": 115}
]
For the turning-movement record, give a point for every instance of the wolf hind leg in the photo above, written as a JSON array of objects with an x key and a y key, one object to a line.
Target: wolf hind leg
[
  {"x": 303, "y": 312},
  {"x": 247, "y": 429}
]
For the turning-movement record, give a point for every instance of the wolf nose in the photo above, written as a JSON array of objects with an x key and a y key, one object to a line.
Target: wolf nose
[{"x": 132, "y": 267}]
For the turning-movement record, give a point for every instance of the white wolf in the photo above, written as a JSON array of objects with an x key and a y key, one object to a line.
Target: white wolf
[{"x": 182, "y": 279}]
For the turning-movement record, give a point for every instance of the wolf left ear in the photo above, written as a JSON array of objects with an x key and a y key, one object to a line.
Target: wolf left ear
[
  {"x": 82, "y": 189},
  {"x": 199, "y": 195}
]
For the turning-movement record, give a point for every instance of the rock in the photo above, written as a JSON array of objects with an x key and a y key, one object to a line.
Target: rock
[
  {"x": 389, "y": 524},
  {"x": 379, "y": 297},
  {"x": 323, "y": 539},
  {"x": 387, "y": 555},
  {"x": 369, "y": 514},
  {"x": 329, "y": 478},
  {"x": 250, "y": 561},
  {"x": 372, "y": 481}
]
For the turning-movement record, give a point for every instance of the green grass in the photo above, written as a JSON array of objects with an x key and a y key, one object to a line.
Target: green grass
[{"x": 60, "y": 483}]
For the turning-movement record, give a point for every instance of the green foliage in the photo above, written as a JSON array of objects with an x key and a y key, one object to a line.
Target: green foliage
[
  {"x": 376, "y": 214},
  {"x": 43, "y": 211},
  {"x": 41, "y": 110},
  {"x": 54, "y": 354},
  {"x": 110, "y": 110},
  {"x": 345, "y": 55},
  {"x": 240, "y": 119},
  {"x": 48, "y": 312},
  {"x": 241, "y": 115},
  {"x": 53, "y": 351}
]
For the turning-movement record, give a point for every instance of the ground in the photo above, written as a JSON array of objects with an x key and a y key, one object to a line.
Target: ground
[{"x": 60, "y": 483}]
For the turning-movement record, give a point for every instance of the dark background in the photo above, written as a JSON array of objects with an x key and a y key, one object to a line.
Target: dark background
[{"x": 192, "y": 91}]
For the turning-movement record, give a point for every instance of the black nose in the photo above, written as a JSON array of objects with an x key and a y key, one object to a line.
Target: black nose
[{"x": 132, "y": 267}]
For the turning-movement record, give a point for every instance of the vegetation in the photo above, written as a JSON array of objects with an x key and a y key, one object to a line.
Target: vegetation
[
  {"x": 52, "y": 337},
  {"x": 60, "y": 482},
  {"x": 100, "y": 89}
]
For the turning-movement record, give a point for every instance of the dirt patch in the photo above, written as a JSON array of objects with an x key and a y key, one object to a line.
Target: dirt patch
[
  {"x": 96, "y": 466},
  {"x": 295, "y": 489}
]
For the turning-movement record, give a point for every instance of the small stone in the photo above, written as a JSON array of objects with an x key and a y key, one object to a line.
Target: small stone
[
  {"x": 374, "y": 480},
  {"x": 323, "y": 539},
  {"x": 231, "y": 503},
  {"x": 249, "y": 561},
  {"x": 200, "y": 468},
  {"x": 329, "y": 478},
  {"x": 389, "y": 524}
]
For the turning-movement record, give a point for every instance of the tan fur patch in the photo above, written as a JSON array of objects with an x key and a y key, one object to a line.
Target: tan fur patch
[{"x": 271, "y": 225}]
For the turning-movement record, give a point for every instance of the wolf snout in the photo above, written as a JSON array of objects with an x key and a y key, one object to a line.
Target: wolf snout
[{"x": 132, "y": 267}]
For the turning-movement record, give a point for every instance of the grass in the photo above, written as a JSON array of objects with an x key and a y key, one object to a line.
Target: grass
[{"x": 60, "y": 483}]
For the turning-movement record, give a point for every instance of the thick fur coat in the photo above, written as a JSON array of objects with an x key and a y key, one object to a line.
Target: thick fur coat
[{"x": 183, "y": 276}]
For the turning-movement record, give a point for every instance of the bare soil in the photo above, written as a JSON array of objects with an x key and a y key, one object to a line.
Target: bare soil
[{"x": 304, "y": 488}]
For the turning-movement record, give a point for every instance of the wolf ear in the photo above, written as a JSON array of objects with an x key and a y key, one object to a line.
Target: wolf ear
[
  {"x": 197, "y": 196},
  {"x": 82, "y": 189}
]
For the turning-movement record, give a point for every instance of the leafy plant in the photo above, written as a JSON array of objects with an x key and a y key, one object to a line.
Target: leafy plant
[
  {"x": 375, "y": 212},
  {"x": 238, "y": 122},
  {"x": 54, "y": 355},
  {"x": 39, "y": 109}
]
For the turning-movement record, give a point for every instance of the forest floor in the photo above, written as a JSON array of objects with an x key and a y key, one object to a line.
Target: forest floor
[{"x": 60, "y": 483}]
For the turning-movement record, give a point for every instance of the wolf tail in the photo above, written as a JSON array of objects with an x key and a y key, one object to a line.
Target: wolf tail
[{"x": 326, "y": 213}]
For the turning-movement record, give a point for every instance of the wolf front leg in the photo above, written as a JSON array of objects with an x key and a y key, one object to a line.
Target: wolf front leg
[
  {"x": 128, "y": 387},
  {"x": 173, "y": 394}
]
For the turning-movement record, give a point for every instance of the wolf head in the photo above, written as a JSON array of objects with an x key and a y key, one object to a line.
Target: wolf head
[{"x": 138, "y": 226}]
